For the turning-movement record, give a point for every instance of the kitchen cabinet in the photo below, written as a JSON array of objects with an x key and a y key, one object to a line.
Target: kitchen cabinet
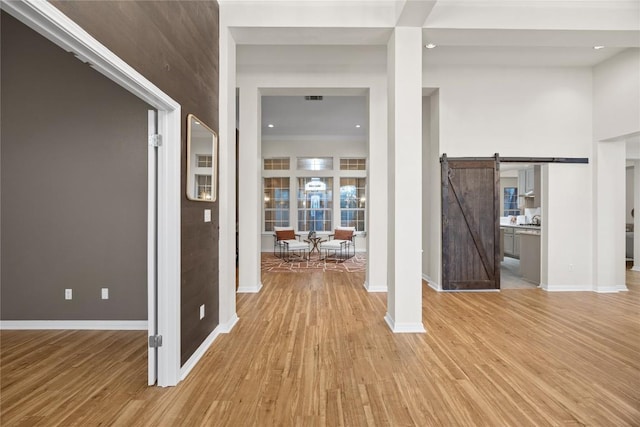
[
  {"x": 522, "y": 178},
  {"x": 529, "y": 184},
  {"x": 511, "y": 243},
  {"x": 508, "y": 242},
  {"x": 530, "y": 258}
]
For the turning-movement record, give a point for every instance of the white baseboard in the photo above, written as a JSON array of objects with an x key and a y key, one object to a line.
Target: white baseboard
[
  {"x": 567, "y": 288},
  {"x": 197, "y": 355},
  {"x": 370, "y": 288},
  {"x": 610, "y": 289},
  {"x": 249, "y": 289},
  {"x": 432, "y": 283},
  {"x": 404, "y": 328},
  {"x": 225, "y": 328},
  {"x": 111, "y": 325}
]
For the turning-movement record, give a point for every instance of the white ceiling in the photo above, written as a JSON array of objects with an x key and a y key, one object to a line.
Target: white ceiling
[
  {"x": 334, "y": 116},
  {"x": 325, "y": 36}
]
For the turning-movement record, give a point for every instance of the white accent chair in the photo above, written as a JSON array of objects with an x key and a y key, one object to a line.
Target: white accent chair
[
  {"x": 341, "y": 244},
  {"x": 287, "y": 247}
]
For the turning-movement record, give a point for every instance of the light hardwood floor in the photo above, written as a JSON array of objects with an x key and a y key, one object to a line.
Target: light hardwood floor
[{"x": 313, "y": 349}]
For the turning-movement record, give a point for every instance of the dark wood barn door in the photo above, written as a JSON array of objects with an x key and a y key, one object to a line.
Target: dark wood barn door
[{"x": 470, "y": 226}]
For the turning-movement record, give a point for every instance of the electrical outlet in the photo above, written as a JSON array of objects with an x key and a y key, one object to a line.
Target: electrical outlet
[
  {"x": 105, "y": 293},
  {"x": 68, "y": 294},
  {"x": 202, "y": 311},
  {"x": 207, "y": 215}
]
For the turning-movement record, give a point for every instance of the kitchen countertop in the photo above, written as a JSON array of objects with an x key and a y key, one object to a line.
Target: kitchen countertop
[
  {"x": 521, "y": 227},
  {"x": 528, "y": 232}
]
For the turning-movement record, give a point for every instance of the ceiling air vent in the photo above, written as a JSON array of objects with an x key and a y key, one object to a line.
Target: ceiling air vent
[{"x": 313, "y": 98}]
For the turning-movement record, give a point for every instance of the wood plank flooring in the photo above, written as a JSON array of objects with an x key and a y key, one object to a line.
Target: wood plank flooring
[{"x": 313, "y": 350}]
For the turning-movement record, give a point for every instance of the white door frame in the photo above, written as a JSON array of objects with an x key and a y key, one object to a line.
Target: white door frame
[{"x": 52, "y": 24}]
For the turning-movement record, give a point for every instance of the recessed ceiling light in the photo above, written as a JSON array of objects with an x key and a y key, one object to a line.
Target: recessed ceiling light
[
  {"x": 598, "y": 47},
  {"x": 358, "y": 126},
  {"x": 270, "y": 125},
  {"x": 197, "y": 123},
  {"x": 430, "y": 46}
]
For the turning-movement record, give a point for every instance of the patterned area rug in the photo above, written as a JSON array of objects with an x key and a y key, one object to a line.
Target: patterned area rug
[{"x": 274, "y": 264}]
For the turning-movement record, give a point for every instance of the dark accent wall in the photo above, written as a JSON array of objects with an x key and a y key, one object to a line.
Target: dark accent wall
[
  {"x": 174, "y": 44},
  {"x": 74, "y": 186}
]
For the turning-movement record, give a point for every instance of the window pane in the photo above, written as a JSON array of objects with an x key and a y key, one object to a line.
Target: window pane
[
  {"x": 204, "y": 161},
  {"x": 511, "y": 201},
  {"x": 279, "y": 163},
  {"x": 353, "y": 164},
  {"x": 203, "y": 187},
  {"x": 352, "y": 202},
  {"x": 315, "y": 204},
  {"x": 315, "y": 163},
  {"x": 276, "y": 203}
]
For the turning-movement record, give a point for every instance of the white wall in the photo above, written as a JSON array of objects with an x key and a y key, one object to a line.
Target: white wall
[
  {"x": 609, "y": 245},
  {"x": 431, "y": 194},
  {"x": 434, "y": 270},
  {"x": 566, "y": 231},
  {"x": 426, "y": 185},
  {"x": 616, "y": 115},
  {"x": 513, "y": 111},
  {"x": 523, "y": 112},
  {"x": 616, "y": 96},
  {"x": 629, "y": 191}
]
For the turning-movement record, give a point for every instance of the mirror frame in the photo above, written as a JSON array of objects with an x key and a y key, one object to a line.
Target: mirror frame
[{"x": 214, "y": 160}]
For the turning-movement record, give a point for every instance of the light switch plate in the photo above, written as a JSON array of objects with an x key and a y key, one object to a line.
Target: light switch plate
[
  {"x": 207, "y": 215},
  {"x": 202, "y": 312},
  {"x": 105, "y": 293},
  {"x": 68, "y": 294}
]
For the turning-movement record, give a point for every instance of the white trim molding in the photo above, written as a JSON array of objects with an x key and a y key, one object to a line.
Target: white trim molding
[
  {"x": 97, "y": 325},
  {"x": 610, "y": 289},
  {"x": 404, "y": 328},
  {"x": 55, "y": 26},
  {"x": 225, "y": 328},
  {"x": 568, "y": 288},
  {"x": 432, "y": 284},
  {"x": 197, "y": 355},
  {"x": 249, "y": 289},
  {"x": 373, "y": 289}
]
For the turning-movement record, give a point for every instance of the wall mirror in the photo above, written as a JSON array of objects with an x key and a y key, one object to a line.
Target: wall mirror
[{"x": 202, "y": 161}]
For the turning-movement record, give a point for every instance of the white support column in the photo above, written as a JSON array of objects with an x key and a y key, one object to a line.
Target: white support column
[
  {"x": 610, "y": 192},
  {"x": 227, "y": 177},
  {"x": 636, "y": 215},
  {"x": 249, "y": 203},
  {"x": 404, "y": 70},
  {"x": 376, "y": 280}
]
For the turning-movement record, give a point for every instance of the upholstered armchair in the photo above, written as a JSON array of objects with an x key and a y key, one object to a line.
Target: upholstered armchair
[
  {"x": 341, "y": 244},
  {"x": 287, "y": 247}
]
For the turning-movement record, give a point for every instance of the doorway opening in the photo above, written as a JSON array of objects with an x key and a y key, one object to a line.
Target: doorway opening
[
  {"x": 314, "y": 172},
  {"x": 521, "y": 225},
  {"x": 56, "y": 27}
]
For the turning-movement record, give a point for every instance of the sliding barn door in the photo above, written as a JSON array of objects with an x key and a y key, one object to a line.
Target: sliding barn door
[{"x": 470, "y": 225}]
